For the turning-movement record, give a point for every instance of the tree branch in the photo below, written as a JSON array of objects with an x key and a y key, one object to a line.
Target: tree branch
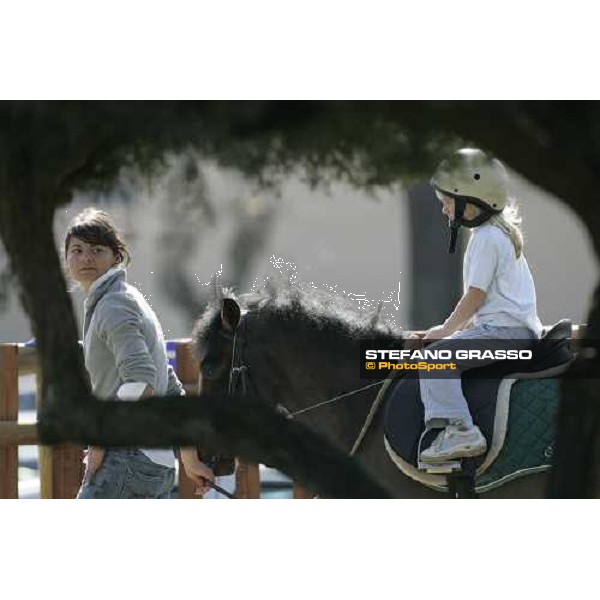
[{"x": 219, "y": 425}]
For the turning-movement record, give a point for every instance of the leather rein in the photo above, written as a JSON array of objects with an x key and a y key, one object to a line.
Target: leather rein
[{"x": 239, "y": 374}]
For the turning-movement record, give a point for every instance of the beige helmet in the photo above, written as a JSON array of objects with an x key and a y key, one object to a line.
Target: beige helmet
[{"x": 472, "y": 174}]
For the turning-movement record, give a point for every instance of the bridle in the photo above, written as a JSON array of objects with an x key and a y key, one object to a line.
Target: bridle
[{"x": 239, "y": 374}]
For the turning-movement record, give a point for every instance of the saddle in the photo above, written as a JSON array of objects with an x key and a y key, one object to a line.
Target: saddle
[{"x": 514, "y": 404}]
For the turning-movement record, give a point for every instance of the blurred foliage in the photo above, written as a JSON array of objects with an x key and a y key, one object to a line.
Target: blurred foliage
[
  {"x": 86, "y": 144},
  {"x": 358, "y": 142},
  {"x": 6, "y": 280}
]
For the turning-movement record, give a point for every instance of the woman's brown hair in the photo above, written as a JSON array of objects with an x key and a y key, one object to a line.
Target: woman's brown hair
[{"x": 94, "y": 226}]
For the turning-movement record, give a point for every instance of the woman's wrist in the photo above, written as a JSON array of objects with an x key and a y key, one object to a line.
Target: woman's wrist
[{"x": 189, "y": 454}]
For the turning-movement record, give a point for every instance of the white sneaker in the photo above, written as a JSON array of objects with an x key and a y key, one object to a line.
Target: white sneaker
[{"x": 455, "y": 441}]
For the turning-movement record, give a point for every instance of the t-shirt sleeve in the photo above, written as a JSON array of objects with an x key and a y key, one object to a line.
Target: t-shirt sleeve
[{"x": 483, "y": 261}]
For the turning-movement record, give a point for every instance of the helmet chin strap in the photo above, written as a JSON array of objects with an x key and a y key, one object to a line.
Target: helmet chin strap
[
  {"x": 455, "y": 223},
  {"x": 458, "y": 221}
]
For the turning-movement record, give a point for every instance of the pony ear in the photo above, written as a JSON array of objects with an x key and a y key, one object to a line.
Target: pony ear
[{"x": 230, "y": 314}]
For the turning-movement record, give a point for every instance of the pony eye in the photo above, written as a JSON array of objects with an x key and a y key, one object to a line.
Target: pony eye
[{"x": 209, "y": 368}]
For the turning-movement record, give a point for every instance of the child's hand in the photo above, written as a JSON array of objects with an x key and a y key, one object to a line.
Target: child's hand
[
  {"x": 415, "y": 340},
  {"x": 437, "y": 333}
]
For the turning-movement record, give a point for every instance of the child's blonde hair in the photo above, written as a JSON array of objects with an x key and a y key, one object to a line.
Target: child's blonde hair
[{"x": 509, "y": 221}]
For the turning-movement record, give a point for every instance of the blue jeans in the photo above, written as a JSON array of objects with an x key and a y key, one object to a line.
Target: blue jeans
[
  {"x": 128, "y": 474},
  {"x": 442, "y": 397}
]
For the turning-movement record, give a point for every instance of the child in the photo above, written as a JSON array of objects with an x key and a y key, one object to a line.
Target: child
[{"x": 498, "y": 302}]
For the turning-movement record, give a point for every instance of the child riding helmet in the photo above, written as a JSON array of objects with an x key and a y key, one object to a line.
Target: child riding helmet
[{"x": 470, "y": 175}]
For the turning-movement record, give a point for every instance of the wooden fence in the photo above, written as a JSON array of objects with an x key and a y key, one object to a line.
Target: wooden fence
[{"x": 61, "y": 467}]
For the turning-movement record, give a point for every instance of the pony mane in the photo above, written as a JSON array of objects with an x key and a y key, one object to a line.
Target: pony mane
[{"x": 307, "y": 306}]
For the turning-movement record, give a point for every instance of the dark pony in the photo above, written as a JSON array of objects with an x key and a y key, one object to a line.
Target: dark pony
[{"x": 300, "y": 348}]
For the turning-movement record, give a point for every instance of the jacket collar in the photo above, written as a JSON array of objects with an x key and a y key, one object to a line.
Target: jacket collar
[{"x": 102, "y": 285}]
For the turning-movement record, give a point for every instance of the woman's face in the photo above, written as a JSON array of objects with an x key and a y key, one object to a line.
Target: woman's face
[{"x": 86, "y": 262}]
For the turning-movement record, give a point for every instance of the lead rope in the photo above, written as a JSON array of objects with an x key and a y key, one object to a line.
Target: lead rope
[
  {"x": 330, "y": 400},
  {"x": 221, "y": 490}
]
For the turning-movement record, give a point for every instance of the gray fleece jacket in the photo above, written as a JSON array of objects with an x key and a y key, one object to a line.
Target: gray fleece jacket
[{"x": 123, "y": 342}]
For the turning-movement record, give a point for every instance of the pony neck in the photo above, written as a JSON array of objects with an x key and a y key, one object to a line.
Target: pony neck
[{"x": 319, "y": 365}]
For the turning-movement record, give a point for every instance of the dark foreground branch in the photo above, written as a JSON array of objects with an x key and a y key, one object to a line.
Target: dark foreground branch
[{"x": 251, "y": 431}]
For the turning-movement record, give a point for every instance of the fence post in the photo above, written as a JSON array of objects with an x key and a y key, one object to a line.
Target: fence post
[
  {"x": 61, "y": 471},
  {"x": 9, "y": 411},
  {"x": 301, "y": 493},
  {"x": 187, "y": 371},
  {"x": 61, "y": 466},
  {"x": 247, "y": 481}
]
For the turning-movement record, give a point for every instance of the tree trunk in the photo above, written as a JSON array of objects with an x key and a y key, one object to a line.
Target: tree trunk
[{"x": 26, "y": 230}]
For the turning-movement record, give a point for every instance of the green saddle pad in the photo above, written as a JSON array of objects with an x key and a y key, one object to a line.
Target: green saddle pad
[{"x": 531, "y": 432}]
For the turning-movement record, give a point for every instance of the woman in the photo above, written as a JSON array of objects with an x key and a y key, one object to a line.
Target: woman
[
  {"x": 499, "y": 301},
  {"x": 125, "y": 356}
]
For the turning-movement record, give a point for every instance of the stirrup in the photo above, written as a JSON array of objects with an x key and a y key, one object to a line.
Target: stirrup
[{"x": 451, "y": 466}]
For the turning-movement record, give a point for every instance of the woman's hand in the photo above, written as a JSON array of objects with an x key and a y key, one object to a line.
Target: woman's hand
[
  {"x": 437, "y": 333},
  {"x": 93, "y": 461},
  {"x": 196, "y": 470}
]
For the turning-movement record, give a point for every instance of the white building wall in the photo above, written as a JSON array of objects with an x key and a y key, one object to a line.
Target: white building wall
[{"x": 344, "y": 240}]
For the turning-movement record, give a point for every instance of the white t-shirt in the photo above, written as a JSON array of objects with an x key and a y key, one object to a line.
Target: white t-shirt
[{"x": 490, "y": 264}]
